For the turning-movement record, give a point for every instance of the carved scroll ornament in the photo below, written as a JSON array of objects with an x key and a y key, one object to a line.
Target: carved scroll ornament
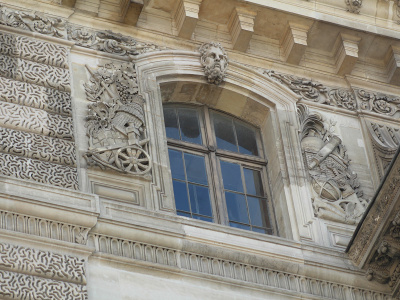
[
  {"x": 337, "y": 194},
  {"x": 378, "y": 103},
  {"x": 115, "y": 123},
  {"x": 215, "y": 62}
]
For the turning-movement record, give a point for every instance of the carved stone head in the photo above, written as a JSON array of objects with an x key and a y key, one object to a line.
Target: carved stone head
[{"x": 215, "y": 62}]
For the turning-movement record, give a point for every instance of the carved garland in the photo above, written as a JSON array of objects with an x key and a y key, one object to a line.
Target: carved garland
[{"x": 116, "y": 121}]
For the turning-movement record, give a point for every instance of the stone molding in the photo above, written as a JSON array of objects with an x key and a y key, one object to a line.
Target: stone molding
[{"x": 223, "y": 268}]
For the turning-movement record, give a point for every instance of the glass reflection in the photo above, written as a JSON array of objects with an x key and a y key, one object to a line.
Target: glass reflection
[
  {"x": 175, "y": 159},
  {"x": 246, "y": 139},
  {"x": 195, "y": 168},
  {"x": 200, "y": 200},
  {"x": 253, "y": 182},
  {"x": 237, "y": 210},
  {"x": 171, "y": 123},
  {"x": 231, "y": 176},
  {"x": 189, "y": 123},
  {"x": 224, "y": 133},
  {"x": 181, "y": 197}
]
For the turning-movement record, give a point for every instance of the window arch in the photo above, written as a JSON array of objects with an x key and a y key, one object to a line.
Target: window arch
[{"x": 218, "y": 168}]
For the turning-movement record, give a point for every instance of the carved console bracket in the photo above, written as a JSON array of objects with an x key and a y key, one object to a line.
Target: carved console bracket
[
  {"x": 375, "y": 246},
  {"x": 346, "y": 53},
  {"x": 116, "y": 121},
  {"x": 337, "y": 194},
  {"x": 294, "y": 43},
  {"x": 214, "y": 60},
  {"x": 241, "y": 27},
  {"x": 186, "y": 16},
  {"x": 393, "y": 65}
]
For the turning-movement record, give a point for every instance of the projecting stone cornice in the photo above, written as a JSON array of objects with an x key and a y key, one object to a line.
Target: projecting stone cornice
[{"x": 375, "y": 246}]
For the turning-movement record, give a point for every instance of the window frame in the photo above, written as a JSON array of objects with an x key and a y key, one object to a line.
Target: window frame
[{"x": 213, "y": 155}]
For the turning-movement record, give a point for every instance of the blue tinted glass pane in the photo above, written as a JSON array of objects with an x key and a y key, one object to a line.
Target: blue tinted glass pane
[
  {"x": 241, "y": 226},
  {"x": 258, "y": 212},
  {"x": 195, "y": 168},
  {"x": 171, "y": 123},
  {"x": 237, "y": 210},
  {"x": 260, "y": 230},
  {"x": 179, "y": 213},
  {"x": 200, "y": 200},
  {"x": 224, "y": 134},
  {"x": 246, "y": 139},
  {"x": 231, "y": 176},
  {"x": 202, "y": 218},
  {"x": 189, "y": 123},
  {"x": 175, "y": 159},
  {"x": 181, "y": 197},
  {"x": 253, "y": 182}
]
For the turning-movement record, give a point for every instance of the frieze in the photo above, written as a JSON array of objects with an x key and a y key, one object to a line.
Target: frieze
[
  {"x": 108, "y": 41},
  {"x": 34, "y": 50},
  {"x": 226, "y": 268},
  {"x": 35, "y": 120},
  {"x": 214, "y": 60},
  {"x": 45, "y": 264},
  {"x": 314, "y": 91},
  {"x": 116, "y": 121},
  {"x": 26, "y": 94},
  {"x": 337, "y": 195},
  {"x": 32, "y": 21},
  {"x": 20, "y": 286},
  {"x": 39, "y": 171},
  {"x": 43, "y": 227},
  {"x": 378, "y": 103},
  {"x": 37, "y": 146}
]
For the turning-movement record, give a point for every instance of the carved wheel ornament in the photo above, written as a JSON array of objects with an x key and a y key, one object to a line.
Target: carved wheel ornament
[{"x": 116, "y": 122}]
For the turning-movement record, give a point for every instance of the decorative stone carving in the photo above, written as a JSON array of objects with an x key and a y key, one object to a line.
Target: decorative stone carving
[
  {"x": 385, "y": 141},
  {"x": 337, "y": 192},
  {"x": 43, "y": 227},
  {"x": 378, "y": 103},
  {"x": 45, "y": 264},
  {"x": 108, "y": 41},
  {"x": 215, "y": 61},
  {"x": 116, "y": 121},
  {"x": 26, "y": 94},
  {"x": 255, "y": 274},
  {"x": 354, "y": 6},
  {"x": 20, "y": 286},
  {"x": 314, "y": 91},
  {"x": 32, "y": 21}
]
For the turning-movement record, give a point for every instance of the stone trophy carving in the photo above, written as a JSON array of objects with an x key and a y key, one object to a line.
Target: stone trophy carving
[
  {"x": 215, "y": 62},
  {"x": 354, "y": 6},
  {"x": 337, "y": 194},
  {"x": 116, "y": 123}
]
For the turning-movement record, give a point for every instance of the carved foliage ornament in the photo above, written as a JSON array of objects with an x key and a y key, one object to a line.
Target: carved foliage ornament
[
  {"x": 116, "y": 121},
  {"x": 314, "y": 91},
  {"x": 337, "y": 194},
  {"x": 378, "y": 103},
  {"x": 215, "y": 62},
  {"x": 354, "y": 6}
]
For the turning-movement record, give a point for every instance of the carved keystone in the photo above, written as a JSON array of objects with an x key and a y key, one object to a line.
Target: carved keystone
[
  {"x": 186, "y": 16},
  {"x": 294, "y": 43},
  {"x": 393, "y": 65},
  {"x": 241, "y": 27},
  {"x": 346, "y": 53}
]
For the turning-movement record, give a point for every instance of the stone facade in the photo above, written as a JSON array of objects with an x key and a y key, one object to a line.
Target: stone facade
[{"x": 87, "y": 205}]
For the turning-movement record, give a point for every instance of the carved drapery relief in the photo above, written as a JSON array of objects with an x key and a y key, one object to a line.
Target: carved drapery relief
[
  {"x": 385, "y": 141},
  {"x": 354, "y": 6},
  {"x": 35, "y": 111},
  {"x": 214, "y": 61},
  {"x": 27, "y": 273},
  {"x": 337, "y": 194},
  {"x": 378, "y": 103},
  {"x": 316, "y": 92},
  {"x": 116, "y": 121}
]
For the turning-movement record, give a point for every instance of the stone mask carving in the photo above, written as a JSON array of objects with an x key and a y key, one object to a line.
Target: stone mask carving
[{"x": 215, "y": 62}]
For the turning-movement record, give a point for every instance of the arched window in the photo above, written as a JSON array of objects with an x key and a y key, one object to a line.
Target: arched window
[{"x": 218, "y": 168}]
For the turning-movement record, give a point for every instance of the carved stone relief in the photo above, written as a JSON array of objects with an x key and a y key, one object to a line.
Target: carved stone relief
[
  {"x": 354, "y": 6},
  {"x": 27, "y": 273},
  {"x": 385, "y": 141},
  {"x": 35, "y": 110},
  {"x": 116, "y": 121},
  {"x": 316, "y": 92},
  {"x": 215, "y": 62},
  {"x": 108, "y": 41},
  {"x": 378, "y": 103},
  {"x": 337, "y": 194}
]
